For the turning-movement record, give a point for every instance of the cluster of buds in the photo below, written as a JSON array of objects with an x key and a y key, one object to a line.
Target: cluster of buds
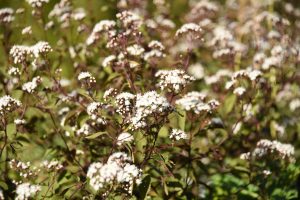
[
  {"x": 202, "y": 9},
  {"x": 93, "y": 110},
  {"x": 191, "y": 30},
  {"x": 19, "y": 53},
  {"x": 25, "y": 170},
  {"x": 52, "y": 165},
  {"x": 129, "y": 20},
  {"x": 109, "y": 93},
  {"x": 104, "y": 26},
  {"x": 125, "y": 102}
]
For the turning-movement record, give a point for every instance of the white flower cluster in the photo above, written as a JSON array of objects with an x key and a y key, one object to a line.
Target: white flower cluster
[
  {"x": 157, "y": 49},
  {"x": 174, "y": 80},
  {"x": 124, "y": 101},
  {"x": 202, "y": 9},
  {"x": 196, "y": 71},
  {"x": 129, "y": 19},
  {"x": 62, "y": 11},
  {"x": 85, "y": 129},
  {"x": 37, "y": 3},
  {"x": 249, "y": 74},
  {"x": 154, "y": 44},
  {"x": 25, "y": 169},
  {"x": 27, "y": 30},
  {"x": 109, "y": 93},
  {"x": 177, "y": 134},
  {"x": 32, "y": 85},
  {"x": 266, "y": 147},
  {"x": 19, "y": 53},
  {"x": 239, "y": 91},
  {"x": 277, "y": 58},
  {"x": 107, "y": 61},
  {"x": 40, "y": 48},
  {"x": 100, "y": 27},
  {"x": 93, "y": 110},
  {"x": 217, "y": 76},
  {"x": 26, "y": 191},
  {"x": 135, "y": 50},
  {"x": 14, "y": 71},
  {"x": 118, "y": 170},
  {"x": 20, "y": 121},
  {"x": 190, "y": 29},
  {"x": 294, "y": 104},
  {"x": 6, "y": 15},
  {"x": 224, "y": 44},
  {"x": 147, "y": 105},
  {"x": 271, "y": 149},
  {"x": 51, "y": 165},
  {"x": 87, "y": 78},
  {"x": 195, "y": 101},
  {"x": 8, "y": 104},
  {"x": 124, "y": 138}
]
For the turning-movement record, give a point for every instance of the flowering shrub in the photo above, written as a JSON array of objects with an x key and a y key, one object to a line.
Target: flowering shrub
[{"x": 162, "y": 99}]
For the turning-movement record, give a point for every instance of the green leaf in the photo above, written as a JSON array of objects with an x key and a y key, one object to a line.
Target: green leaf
[
  {"x": 11, "y": 130},
  {"x": 229, "y": 104},
  {"x": 95, "y": 135},
  {"x": 144, "y": 187},
  {"x": 3, "y": 185}
]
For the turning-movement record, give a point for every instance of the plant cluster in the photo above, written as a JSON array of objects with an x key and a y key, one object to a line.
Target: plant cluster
[{"x": 162, "y": 99}]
